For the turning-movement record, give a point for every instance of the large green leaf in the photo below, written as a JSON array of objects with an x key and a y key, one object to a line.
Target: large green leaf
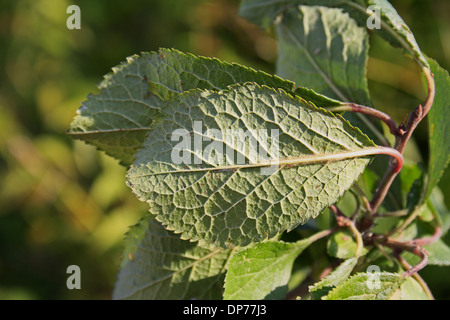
[
  {"x": 224, "y": 200},
  {"x": 262, "y": 271},
  {"x": 439, "y": 127},
  {"x": 117, "y": 119},
  {"x": 159, "y": 265}
]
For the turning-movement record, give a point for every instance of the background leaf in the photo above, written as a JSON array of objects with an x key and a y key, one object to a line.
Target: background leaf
[
  {"x": 323, "y": 49},
  {"x": 229, "y": 204},
  {"x": 439, "y": 130},
  {"x": 265, "y": 13},
  {"x": 395, "y": 30},
  {"x": 342, "y": 245},
  {"x": 159, "y": 265},
  {"x": 436, "y": 204},
  {"x": 392, "y": 28},
  {"x": 438, "y": 253}
]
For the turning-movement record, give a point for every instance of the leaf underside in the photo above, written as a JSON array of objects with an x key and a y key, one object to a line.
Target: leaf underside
[
  {"x": 262, "y": 271},
  {"x": 159, "y": 265},
  {"x": 227, "y": 204},
  {"x": 129, "y": 103}
]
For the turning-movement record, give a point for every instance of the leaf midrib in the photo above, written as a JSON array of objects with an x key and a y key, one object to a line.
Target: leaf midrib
[
  {"x": 76, "y": 133},
  {"x": 303, "y": 160}
]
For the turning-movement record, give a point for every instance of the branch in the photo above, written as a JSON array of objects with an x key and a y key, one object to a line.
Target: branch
[
  {"x": 416, "y": 276},
  {"x": 411, "y": 271},
  {"x": 398, "y": 247},
  {"x": 429, "y": 240},
  {"x": 404, "y": 134}
]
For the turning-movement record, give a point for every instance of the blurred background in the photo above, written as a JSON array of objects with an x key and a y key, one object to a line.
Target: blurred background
[{"x": 64, "y": 203}]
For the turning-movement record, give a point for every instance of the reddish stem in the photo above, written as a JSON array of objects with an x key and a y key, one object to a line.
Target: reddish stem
[
  {"x": 429, "y": 240},
  {"x": 404, "y": 134},
  {"x": 353, "y": 107}
]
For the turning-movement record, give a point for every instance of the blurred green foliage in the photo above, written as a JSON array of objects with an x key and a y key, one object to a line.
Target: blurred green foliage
[{"x": 61, "y": 201}]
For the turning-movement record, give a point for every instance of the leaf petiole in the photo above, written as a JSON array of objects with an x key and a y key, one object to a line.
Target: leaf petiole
[{"x": 353, "y": 107}]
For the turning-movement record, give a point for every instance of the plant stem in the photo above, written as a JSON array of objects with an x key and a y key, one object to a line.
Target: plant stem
[
  {"x": 415, "y": 249},
  {"x": 406, "y": 222},
  {"x": 358, "y": 238},
  {"x": 383, "y": 189},
  {"x": 404, "y": 133},
  {"x": 363, "y": 196},
  {"x": 353, "y": 107},
  {"x": 396, "y": 161},
  {"x": 321, "y": 234},
  {"x": 429, "y": 240},
  {"x": 398, "y": 213},
  {"x": 416, "y": 276}
]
